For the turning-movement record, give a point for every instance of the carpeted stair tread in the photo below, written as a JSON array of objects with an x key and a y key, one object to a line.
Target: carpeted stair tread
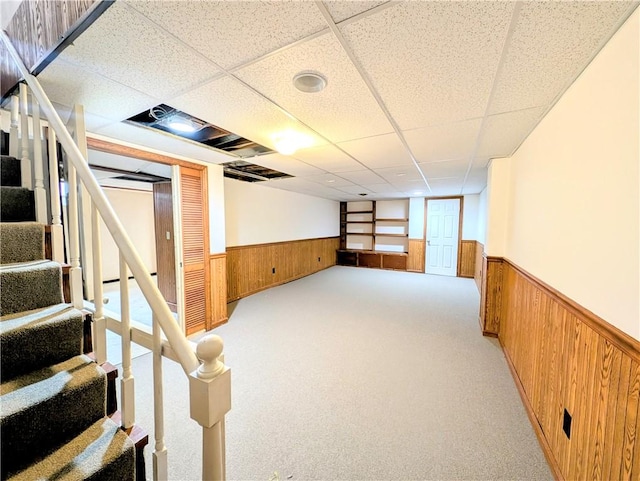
[
  {"x": 34, "y": 339},
  {"x": 21, "y": 242},
  {"x": 10, "y": 171},
  {"x": 29, "y": 285},
  {"x": 17, "y": 204},
  {"x": 44, "y": 409},
  {"x": 102, "y": 452}
]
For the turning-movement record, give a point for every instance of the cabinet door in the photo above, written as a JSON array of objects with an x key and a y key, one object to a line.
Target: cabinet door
[{"x": 165, "y": 248}]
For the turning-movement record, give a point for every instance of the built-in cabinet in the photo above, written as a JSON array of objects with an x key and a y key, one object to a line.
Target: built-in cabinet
[{"x": 374, "y": 234}]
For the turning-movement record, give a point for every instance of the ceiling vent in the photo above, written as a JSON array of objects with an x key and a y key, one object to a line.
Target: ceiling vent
[
  {"x": 248, "y": 172},
  {"x": 173, "y": 121}
]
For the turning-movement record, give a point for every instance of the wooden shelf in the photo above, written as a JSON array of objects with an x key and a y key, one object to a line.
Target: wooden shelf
[
  {"x": 359, "y": 212},
  {"x": 357, "y": 222},
  {"x": 361, "y": 233},
  {"x": 391, "y": 220},
  {"x": 378, "y": 234}
]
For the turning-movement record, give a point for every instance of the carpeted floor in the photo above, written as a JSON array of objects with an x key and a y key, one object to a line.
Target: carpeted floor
[{"x": 357, "y": 374}]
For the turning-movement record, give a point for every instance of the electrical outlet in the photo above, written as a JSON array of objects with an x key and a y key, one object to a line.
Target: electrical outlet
[
  {"x": 273, "y": 270},
  {"x": 318, "y": 259},
  {"x": 566, "y": 424}
]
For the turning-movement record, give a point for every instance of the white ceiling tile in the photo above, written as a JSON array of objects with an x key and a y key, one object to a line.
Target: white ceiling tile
[
  {"x": 503, "y": 133},
  {"x": 550, "y": 45},
  {"x": 344, "y": 110},
  {"x": 341, "y": 10},
  {"x": 140, "y": 55},
  {"x": 377, "y": 152},
  {"x": 286, "y": 164},
  {"x": 126, "y": 184},
  {"x": 230, "y": 105},
  {"x": 329, "y": 180},
  {"x": 162, "y": 170},
  {"x": 362, "y": 177},
  {"x": 67, "y": 85},
  {"x": 327, "y": 157},
  {"x": 476, "y": 181},
  {"x": 382, "y": 188},
  {"x": 400, "y": 174},
  {"x": 232, "y": 33},
  {"x": 444, "y": 142},
  {"x": 354, "y": 189},
  {"x": 451, "y": 186},
  {"x": 450, "y": 168},
  {"x": 432, "y": 62},
  {"x": 105, "y": 159}
]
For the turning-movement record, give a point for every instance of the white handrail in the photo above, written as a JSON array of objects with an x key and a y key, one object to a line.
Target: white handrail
[{"x": 176, "y": 338}]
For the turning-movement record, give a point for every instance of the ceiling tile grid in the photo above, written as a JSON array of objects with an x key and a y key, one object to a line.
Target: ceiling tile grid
[
  {"x": 377, "y": 152},
  {"x": 450, "y": 168},
  {"x": 286, "y": 164},
  {"x": 550, "y": 45},
  {"x": 102, "y": 98},
  {"x": 444, "y": 142},
  {"x": 341, "y": 10},
  {"x": 432, "y": 62},
  {"x": 503, "y": 133},
  {"x": 329, "y": 158},
  {"x": 344, "y": 110},
  {"x": 140, "y": 55},
  {"x": 232, "y": 33}
]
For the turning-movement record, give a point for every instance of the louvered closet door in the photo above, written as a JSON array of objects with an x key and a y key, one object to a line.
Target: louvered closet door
[{"x": 195, "y": 229}]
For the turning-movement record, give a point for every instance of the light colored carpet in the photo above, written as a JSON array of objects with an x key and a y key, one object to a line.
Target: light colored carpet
[{"x": 357, "y": 374}]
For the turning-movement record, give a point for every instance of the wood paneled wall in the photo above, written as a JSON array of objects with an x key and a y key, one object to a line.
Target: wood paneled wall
[
  {"x": 491, "y": 295},
  {"x": 415, "y": 259},
  {"x": 467, "y": 258},
  {"x": 41, "y": 29},
  {"x": 218, "y": 288},
  {"x": 565, "y": 357},
  {"x": 256, "y": 267},
  {"x": 477, "y": 273}
]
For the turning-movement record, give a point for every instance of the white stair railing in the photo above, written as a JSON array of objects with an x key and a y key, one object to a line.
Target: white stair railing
[{"x": 209, "y": 382}]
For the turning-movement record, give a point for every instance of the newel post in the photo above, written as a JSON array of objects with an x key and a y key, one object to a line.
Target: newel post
[{"x": 210, "y": 390}]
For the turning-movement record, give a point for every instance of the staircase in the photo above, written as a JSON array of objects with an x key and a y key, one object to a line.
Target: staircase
[{"x": 53, "y": 398}]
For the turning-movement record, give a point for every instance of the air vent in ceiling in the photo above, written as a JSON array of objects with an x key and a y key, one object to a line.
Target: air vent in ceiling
[
  {"x": 166, "y": 118},
  {"x": 248, "y": 172}
]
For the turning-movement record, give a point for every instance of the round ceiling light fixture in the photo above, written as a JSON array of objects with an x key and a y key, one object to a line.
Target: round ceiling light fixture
[{"x": 309, "y": 82}]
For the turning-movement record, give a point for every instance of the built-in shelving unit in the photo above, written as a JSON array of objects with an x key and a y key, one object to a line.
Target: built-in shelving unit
[{"x": 374, "y": 234}]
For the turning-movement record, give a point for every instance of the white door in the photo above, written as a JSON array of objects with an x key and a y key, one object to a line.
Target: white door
[{"x": 442, "y": 236}]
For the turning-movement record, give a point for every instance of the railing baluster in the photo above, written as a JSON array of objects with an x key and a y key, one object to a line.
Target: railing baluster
[
  {"x": 160, "y": 450},
  {"x": 38, "y": 169},
  {"x": 25, "y": 163},
  {"x": 14, "y": 139},
  {"x": 127, "y": 383},
  {"x": 57, "y": 240},
  {"x": 75, "y": 273},
  {"x": 99, "y": 323}
]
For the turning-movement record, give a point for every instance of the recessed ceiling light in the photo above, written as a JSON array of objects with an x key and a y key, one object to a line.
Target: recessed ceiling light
[
  {"x": 181, "y": 125},
  {"x": 309, "y": 82}
]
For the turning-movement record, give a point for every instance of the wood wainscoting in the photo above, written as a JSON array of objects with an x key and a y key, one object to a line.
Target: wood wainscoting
[
  {"x": 573, "y": 369},
  {"x": 218, "y": 289},
  {"x": 415, "y": 259},
  {"x": 491, "y": 295},
  {"x": 467, "y": 258},
  {"x": 254, "y": 268},
  {"x": 477, "y": 272}
]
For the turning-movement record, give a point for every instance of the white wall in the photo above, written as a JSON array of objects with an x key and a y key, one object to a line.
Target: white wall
[
  {"x": 498, "y": 190},
  {"x": 7, "y": 9},
  {"x": 215, "y": 177},
  {"x": 255, "y": 214},
  {"x": 416, "y": 218},
  {"x": 135, "y": 210},
  {"x": 481, "y": 235},
  {"x": 574, "y": 214},
  {"x": 470, "y": 217}
]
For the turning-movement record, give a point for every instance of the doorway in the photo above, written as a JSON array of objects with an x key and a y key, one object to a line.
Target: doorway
[{"x": 443, "y": 228}]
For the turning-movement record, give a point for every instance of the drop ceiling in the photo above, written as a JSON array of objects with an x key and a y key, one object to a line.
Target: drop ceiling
[{"x": 419, "y": 96}]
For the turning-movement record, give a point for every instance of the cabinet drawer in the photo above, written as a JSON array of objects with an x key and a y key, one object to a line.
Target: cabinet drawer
[
  {"x": 369, "y": 260},
  {"x": 398, "y": 262}
]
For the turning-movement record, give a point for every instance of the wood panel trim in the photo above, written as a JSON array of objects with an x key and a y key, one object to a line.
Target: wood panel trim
[
  {"x": 537, "y": 429},
  {"x": 254, "y": 268},
  {"x": 620, "y": 339},
  {"x": 218, "y": 289},
  {"x": 467, "y": 258},
  {"x": 415, "y": 259},
  {"x": 101, "y": 145},
  {"x": 267, "y": 244},
  {"x": 478, "y": 272}
]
